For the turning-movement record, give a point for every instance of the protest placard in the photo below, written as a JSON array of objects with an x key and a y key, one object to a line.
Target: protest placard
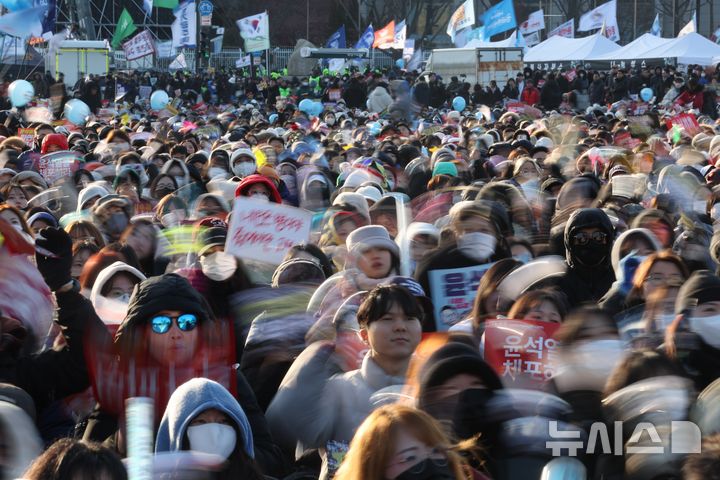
[
  {"x": 27, "y": 134},
  {"x": 520, "y": 349},
  {"x": 453, "y": 292},
  {"x": 686, "y": 121},
  {"x": 56, "y": 165},
  {"x": 264, "y": 231}
]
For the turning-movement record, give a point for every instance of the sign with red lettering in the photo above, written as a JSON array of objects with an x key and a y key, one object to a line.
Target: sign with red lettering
[
  {"x": 687, "y": 122},
  {"x": 56, "y": 165},
  {"x": 264, "y": 231},
  {"x": 521, "y": 349}
]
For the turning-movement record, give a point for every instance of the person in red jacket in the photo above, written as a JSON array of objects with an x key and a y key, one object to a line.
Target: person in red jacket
[
  {"x": 692, "y": 96},
  {"x": 530, "y": 94}
]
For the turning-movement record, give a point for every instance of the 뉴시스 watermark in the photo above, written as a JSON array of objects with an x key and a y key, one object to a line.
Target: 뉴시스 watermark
[{"x": 685, "y": 437}]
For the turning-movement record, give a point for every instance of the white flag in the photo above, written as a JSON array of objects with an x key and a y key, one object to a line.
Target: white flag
[
  {"x": 255, "y": 31},
  {"x": 463, "y": 17},
  {"x": 244, "y": 61},
  {"x": 400, "y": 34},
  {"x": 184, "y": 28},
  {"x": 691, "y": 26},
  {"x": 534, "y": 23},
  {"x": 566, "y": 29},
  {"x": 532, "y": 39},
  {"x": 594, "y": 19},
  {"x": 179, "y": 63}
]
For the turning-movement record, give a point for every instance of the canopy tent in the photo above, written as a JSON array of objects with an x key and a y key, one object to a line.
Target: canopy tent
[
  {"x": 688, "y": 49},
  {"x": 636, "y": 48},
  {"x": 567, "y": 50},
  {"x": 510, "y": 42}
]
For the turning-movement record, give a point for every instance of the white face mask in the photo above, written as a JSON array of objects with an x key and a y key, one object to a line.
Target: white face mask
[
  {"x": 259, "y": 195},
  {"x": 181, "y": 181},
  {"x": 588, "y": 364},
  {"x": 217, "y": 172},
  {"x": 243, "y": 169},
  {"x": 477, "y": 245},
  {"x": 213, "y": 438},
  {"x": 708, "y": 328},
  {"x": 218, "y": 266}
]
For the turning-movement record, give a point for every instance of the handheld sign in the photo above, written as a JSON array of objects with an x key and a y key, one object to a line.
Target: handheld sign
[
  {"x": 56, "y": 165},
  {"x": 453, "y": 292},
  {"x": 264, "y": 231}
]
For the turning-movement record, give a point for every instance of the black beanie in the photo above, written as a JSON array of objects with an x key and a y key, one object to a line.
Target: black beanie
[{"x": 702, "y": 287}]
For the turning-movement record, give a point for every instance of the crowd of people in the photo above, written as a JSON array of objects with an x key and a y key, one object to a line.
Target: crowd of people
[{"x": 567, "y": 208}]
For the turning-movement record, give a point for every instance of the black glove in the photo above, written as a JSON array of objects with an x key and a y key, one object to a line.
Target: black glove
[{"x": 53, "y": 255}]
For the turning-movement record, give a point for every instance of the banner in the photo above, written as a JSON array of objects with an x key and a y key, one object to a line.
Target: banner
[
  {"x": 49, "y": 18},
  {"x": 263, "y": 230},
  {"x": 141, "y": 45},
  {"x": 521, "y": 350},
  {"x": 165, "y": 49},
  {"x": 499, "y": 18},
  {"x": 463, "y": 17},
  {"x": 243, "y": 61},
  {"x": 691, "y": 26},
  {"x": 453, "y": 293},
  {"x": 400, "y": 34},
  {"x": 255, "y": 31},
  {"x": 611, "y": 32},
  {"x": 594, "y": 19},
  {"x": 367, "y": 38},
  {"x": 385, "y": 37},
  {"x": 566, "y": 29},
  {"x": 534, "y": 23},
  {"x": 656, "y": 28},
  {"x": 408, "y": 48},
  {"x": 56, "y": 165},
  {"x": 124, "y": 28},
  {"x": 23, "y": 23},
  {"x": 415, "y": 61},
  {"x": 532, "y": 39},
  {"x": 184, "y": 28},
  {"x": 337, "y": 39},
  {"x": 179, "y": 63}
]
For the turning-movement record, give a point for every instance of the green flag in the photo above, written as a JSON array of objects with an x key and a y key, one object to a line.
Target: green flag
[
  {"x": 165, "y": 3},
  {"x": 124, "y": 28}
]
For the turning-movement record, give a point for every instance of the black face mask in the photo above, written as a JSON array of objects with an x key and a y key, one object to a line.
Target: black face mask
[
  {"x": 116, "y": 224},
  {"x": 428, "y": 469},
  {"x": 161, "y": 192},
  {"x": 590, "y": 255},
  {"x": 471, "y": 415}
]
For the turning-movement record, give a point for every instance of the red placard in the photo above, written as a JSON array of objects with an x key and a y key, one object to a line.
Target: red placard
[
  {"x": 520, "y": 350},
  {"x": 687, "y": 122}
]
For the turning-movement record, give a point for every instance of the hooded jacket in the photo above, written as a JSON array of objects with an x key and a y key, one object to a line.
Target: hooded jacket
[
  {"x": 111, "y": 311},
  {"x": 56, "y": 139},
  {"x": 250, "y": 180},
  {"x": 581, "y": 283},
  {"x": 190, "y": 400},
  {"x": 89, "y": 192}
]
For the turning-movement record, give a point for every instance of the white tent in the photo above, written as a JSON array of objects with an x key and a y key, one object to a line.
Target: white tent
[
  {"x": 558, "y": 49},
  {"x": 636, "y": 48},
  {"x": 509, "y": 42},
  {"x": 688, "y": 49}
]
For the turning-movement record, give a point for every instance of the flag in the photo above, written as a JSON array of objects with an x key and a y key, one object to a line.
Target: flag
[
  {"x": 147, "y": 6},
  {"x": 463, "y": 17},
  {"x": 520, "y": 40},
  {"x": 171, "y": 4},
  {"x": 566, "y": 29},
  {"x": 184, "y": 27},
  {"x": 400, "y": 34},
  {"x": 124, "y": 28},
  {"x": 217, "y": 43},
  {"x": 243, "y": 61},
  {"x": 179, "y": 63},
  {"x": 337, "y": 39},
  {"x": 255, "y": 31},
  {"x": 23, "y": 23},
  {"x": 408, "y": 48},
  {"x": 691, "y": 26},
  {"x": 534, "y": 23},
  {"x": 532, "y": 39},
  {"x": 499, "y": 18},
  {"x": 656, "y": 28},
  {"x": 715, "y": 37},
  {"x": 607, "y": 12},
  {"x": 415, "y": 61},
  {"x": 610, "y": 32},
  {"x": 385, "y": 37},
  {"x": 367, "y": 38}
]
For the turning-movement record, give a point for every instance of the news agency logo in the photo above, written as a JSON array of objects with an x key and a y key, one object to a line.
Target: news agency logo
[{"x": 685, "y": 437}]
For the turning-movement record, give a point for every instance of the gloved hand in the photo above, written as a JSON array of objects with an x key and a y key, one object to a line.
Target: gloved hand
[
  {"x": 53, "y": 255},
  {"x": 628, "y": 265}
]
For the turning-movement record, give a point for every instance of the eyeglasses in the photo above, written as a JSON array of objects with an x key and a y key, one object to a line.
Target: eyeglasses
[
  {"x": 672, "y": 279},
  {"x": 185, "y": 322},
  {"x": 584, "y": 238}
]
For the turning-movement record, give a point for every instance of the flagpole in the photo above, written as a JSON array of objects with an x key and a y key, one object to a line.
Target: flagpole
[
  {"x": 267, "y": 50},
  {"x": 634, "y": 19}
]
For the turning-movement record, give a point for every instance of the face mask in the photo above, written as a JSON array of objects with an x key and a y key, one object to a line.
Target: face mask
[
  {"x": 428, "y": 469},
  {"x": 214, "y": 438},
  {"x": 116, "y": 223},
  {"x": 259, "y": 195},
  {"x": 217, "y": 172},
  {"x": 218, "y": 266},
  {"x": 523, "y": 257},
  {"x": 588, "y": 364},
  {"x": 707, "y": 328},
  {"x": 476, "y": 245},
  {"x": 590, "y": 255},
  {"x": 181, "y": 181},
  {"x": 161, "y": 192},
  {"x": 243, "y": 169}
]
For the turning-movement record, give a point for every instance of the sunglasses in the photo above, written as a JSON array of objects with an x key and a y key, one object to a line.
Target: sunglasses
[
  {"x": 584, "y": 238},
  {"x": 185, "y": 322}
]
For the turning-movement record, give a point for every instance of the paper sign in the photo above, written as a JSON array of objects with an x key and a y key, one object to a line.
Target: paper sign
[
  {"x": 139, "y": 46},
  {"x": 453, "y": 293},
  {"x": 520, "y": 349},
  {"x": 27, "y": 134},
  {"x": 264, "y": 231},
  {"x": 687, "y": 122},
  {"x": 57, "y": 165}
]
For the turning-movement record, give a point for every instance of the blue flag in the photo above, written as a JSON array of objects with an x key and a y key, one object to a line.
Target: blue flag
[
  {"x": 367, "y": 38},
  {"x": 499, "y": 18},
  {"x": 656, "y": 28},
  {"x": 48, "y": 20},
  {"x": 337, "y": 39}
]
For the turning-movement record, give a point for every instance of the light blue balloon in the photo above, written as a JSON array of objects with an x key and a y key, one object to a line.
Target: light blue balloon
[
  {"x": 20, "y": 93},
  {"x": 459, "y": 104},
  {"x": 400, "y": 63},
  {"x": 306, "y": 106},
  {"x": 374, "y": 128},
  {"x": 273, "y": 118},
  {"x": 159, "y": 100},
  {"x": 646, "y": 94},
  {"x": 317, "y": 109},
  {"x": 76, "y": 111}
]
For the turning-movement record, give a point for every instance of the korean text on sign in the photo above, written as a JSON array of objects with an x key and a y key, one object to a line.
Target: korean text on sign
[
  {"x": 453, "y": 292},
  {"x": 264, "y": 231}
]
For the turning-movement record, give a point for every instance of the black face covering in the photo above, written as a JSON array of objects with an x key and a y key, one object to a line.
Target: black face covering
[
  {"x": 590, "y": 255},
  {"x": 471, "y": 412},
  {"x": 428, "y": 469},
  {"x": 161, "y": 192}
]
